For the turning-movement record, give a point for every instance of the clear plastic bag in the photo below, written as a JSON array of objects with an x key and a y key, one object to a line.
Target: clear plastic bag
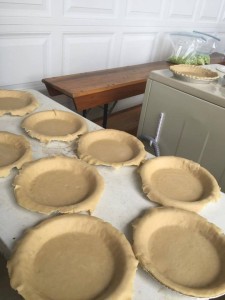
[
  {"x": 209, "y": 46},
  {"x": 186, "y": 48}
]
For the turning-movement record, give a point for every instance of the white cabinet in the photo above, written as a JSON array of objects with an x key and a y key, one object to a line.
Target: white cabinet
[{"x": 193, "y": 127}]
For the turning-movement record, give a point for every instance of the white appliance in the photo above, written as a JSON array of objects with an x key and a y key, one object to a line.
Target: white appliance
[{"x": 186, "y": 119}]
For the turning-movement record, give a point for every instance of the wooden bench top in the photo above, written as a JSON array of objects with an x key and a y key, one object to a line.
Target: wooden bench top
[
  {"x": 96, "y": 88},
  {"x": 91, "y": 89}
]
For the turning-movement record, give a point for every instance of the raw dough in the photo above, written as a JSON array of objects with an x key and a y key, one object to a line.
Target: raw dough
[
  {"x": 178, "y": 182},
  {"x": 73, "y": 257},
  {"x": 58, "y": 184},
  {"x": 194, "y": 72},
  {"x": 182, "y": 250},
  {"x": 15, "y": 150},
  {"x": 111, "y": 148},
  {"x": 18, "y": 103},
  {"x": 54, "y": 125}
]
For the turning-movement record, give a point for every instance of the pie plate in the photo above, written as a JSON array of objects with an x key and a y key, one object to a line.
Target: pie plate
[
  {"x": 17, "y": 103},
  {"x": 73, "y": 257},
  {"x": 54, "y": 125},
  {"x": 110, "y": 147},
  {"x": 15, "y": 150},
  {"x": 193, "y": 73},
  {"x": 182, "y": 250},
  {"x": 178, "y": 182},
  {"x": 58, "y": 184}
]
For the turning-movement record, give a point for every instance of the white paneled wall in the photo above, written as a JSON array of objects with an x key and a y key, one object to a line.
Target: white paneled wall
[
  {"x": 24, "y": 57},
  {"x": 95, "y": 49},
  {"x": 45, "y": 38}
]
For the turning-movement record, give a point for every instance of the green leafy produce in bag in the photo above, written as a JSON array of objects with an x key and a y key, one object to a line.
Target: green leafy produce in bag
[{"x": 186, "y": 49}]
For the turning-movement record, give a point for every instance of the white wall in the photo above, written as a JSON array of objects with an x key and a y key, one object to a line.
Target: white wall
[{"x": 45, "y": 38}]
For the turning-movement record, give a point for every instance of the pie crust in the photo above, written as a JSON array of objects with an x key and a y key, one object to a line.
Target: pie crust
[
  {"x": 111, "y": 147},
  {"x": 193, "y": 72},
  {"x": 54, "y": 125},
  {"x": 178, "y": 182},
  {"x": 58, "y": 184},
  {"x": 17, "y": 103},
  {"x": 73, "y": 257},
  {"x": 15, "y": 150},
  {"x": 182, "y": 250}
]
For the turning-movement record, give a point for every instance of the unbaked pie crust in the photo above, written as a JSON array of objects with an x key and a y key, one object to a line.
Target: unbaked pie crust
[
  {"x": 17, "y": 103},
  {"x": 111, "y": 147},
  {"x": 58, "y": 184},
  {"x": 193, "y": 72},
  {"x": 73, "y": 257},
  {"x": 178, "y": 182},
  {"x": 54, "y": 125},
  {"x": 15, "y": 150},
  {"x": 182, "y": 250}
]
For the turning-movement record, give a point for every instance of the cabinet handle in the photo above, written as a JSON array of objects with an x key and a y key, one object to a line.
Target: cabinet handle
[
  {"x": 153, "y": 142},
  {"x": 159, "y": 127}
]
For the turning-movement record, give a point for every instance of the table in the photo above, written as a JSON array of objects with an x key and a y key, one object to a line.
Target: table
[
  {"x": 121, "y": 203},
  {"x": 88, "y": 90}
]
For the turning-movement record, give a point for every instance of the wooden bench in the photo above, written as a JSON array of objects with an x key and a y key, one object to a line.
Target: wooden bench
[{"x": 92, "y": 89}]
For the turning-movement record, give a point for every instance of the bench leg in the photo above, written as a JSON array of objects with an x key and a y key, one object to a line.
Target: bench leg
[
  {"x": 105, "y": 116},
  {"x": 84, "y": 113}
]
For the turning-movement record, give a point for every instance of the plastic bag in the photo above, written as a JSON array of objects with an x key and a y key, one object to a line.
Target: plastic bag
[
  {"x": 186, "y": 48},
  {"x": 209, "y": 46}
]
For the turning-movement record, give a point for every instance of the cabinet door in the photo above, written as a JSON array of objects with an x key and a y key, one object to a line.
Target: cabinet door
[{"x": 192, "y": 128}]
